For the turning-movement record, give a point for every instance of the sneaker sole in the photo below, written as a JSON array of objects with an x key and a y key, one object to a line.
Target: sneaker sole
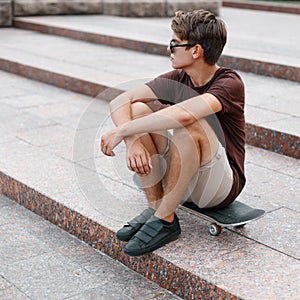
[{"x": 170, "y": 238}]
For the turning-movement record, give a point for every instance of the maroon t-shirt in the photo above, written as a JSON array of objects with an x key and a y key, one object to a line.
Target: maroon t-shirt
[{"x": 229, "y": 123}]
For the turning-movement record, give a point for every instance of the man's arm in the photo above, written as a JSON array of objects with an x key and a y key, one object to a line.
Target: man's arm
[
  {"x": 138, "y": 157},
  {"x": 178, "y": 115},
  {"x": 120, "y": 107}
]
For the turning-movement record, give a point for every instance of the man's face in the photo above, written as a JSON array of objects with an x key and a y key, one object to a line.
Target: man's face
[{"x": 181, "y": 57}]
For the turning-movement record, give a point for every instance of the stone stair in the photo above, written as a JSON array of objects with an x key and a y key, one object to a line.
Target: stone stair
[
  {"x": 51, "y": 122},
  {"x": 273, "y": 126}
]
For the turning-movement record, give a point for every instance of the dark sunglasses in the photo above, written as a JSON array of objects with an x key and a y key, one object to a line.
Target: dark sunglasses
[{"x": 172, "y": 45}]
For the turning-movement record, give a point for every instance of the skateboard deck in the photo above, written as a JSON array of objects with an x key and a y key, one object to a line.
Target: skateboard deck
[{"x": 237, "y": 214}]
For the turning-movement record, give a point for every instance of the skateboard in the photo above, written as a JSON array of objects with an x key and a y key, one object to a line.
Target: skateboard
[{"x": 237, "y": 214}]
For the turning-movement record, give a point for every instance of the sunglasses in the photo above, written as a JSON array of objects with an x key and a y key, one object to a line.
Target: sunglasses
[{"x": 172, "y": 45}]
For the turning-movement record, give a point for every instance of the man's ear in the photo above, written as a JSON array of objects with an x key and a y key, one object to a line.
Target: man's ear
[{"x": 198, "y": 51}]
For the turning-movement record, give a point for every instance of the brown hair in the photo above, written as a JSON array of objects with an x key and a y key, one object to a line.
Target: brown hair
[{"x": 204, "y": 28}]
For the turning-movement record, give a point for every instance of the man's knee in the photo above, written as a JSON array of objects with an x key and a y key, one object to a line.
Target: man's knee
[
  {"x": 199, "y": 134},
  {"x": 193, "y": 131},
  {"x": 140, "y": 109}
]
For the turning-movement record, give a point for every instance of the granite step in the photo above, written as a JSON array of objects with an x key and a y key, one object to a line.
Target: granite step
[
  {"x": 41, "y": 261},
  {"x": 272, "y": 115},
  {"x": 50, "y": 163},
  {"x": 252, "y": 45}
]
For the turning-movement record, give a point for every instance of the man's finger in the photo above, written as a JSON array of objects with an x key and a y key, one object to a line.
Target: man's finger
[
  {"x": 107, "y": 150},
  {"x": 142, "y": 168},
  {"x": 132, "y": 165}
]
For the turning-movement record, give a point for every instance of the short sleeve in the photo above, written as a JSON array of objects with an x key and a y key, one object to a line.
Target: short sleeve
[
  {"x": 229, "y": 90},
  {"x": 166, "y": 87}
]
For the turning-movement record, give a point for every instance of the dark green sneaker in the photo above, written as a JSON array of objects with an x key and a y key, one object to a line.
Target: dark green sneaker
[
  {"x": 153, "y": 235},
  {"x": 133, "y": 226}
]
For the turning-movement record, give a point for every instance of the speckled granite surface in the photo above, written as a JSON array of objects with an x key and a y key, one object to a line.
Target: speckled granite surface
[{"x": 44, "y": 167}]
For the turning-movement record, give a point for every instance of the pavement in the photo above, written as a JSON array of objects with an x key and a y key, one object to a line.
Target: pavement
[{"x": 51, "y": 164}]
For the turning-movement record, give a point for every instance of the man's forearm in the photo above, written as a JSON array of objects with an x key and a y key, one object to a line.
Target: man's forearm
[
  {"x": 176, "y": 116},
  {"x": 120, "y": 109},
  {"x": 121, "y": 113}
]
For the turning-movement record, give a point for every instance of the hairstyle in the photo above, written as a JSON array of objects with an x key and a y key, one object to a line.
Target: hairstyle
[{"x": 203, "y": 28}]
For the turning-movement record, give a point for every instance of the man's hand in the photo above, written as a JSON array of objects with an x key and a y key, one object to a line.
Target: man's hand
[
  {"x": 110, "y": 140},
  {"x": 138, "y": 158}
]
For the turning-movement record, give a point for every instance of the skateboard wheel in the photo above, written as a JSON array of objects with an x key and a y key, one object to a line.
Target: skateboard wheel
[{"x": 214, "y": 229}]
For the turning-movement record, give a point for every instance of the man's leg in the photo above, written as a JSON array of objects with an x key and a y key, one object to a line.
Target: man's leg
[
  {"x": 191, "y": 148},
  {"x": 155, "y": 143}
]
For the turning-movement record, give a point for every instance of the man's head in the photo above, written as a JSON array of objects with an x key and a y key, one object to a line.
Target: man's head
[{"x": 203, "y": 28}]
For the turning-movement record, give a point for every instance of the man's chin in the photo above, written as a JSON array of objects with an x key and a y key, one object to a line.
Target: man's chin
[{"x": 174, "y": 66}]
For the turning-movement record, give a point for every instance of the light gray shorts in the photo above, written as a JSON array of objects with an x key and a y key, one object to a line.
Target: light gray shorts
[{"x": 212, "y": 182}]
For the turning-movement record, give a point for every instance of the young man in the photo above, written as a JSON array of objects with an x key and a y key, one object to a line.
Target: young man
[{"x": 204, "y": 106}]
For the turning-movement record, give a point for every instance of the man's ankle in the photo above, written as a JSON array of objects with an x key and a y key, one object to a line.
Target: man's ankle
[{"x": 168, "y": 219}]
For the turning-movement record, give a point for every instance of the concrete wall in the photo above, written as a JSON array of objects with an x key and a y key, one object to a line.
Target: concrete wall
[
  {"x": 5, "y": 13},
  {"x": 56, "y": 7},
  {"x": 156, "y": 8},
  {"x": 125, "y": 8},
  {"x": 175, "y": 5}
]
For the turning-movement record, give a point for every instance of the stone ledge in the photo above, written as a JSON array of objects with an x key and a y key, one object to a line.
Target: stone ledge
[
  {"x": 5, "y": 13},
  {"x": 124, "y": 8},
  {"x": 56, "y": 7},
  {"x": 134, "y": 8},
  {"x": 173, "y": 6}
]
